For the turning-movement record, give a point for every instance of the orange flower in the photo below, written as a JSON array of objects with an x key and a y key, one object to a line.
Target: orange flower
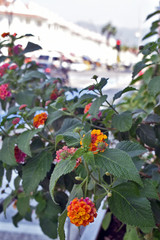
[
  {"x": 81, "y": 211},
  {"x": 86, "y": 109},
  {"x": 39, "y": 119},
  {"x": 98, "y": 143}
]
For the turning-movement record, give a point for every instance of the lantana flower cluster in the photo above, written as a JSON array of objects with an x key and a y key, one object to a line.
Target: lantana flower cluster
[
  {"x": 39, "y": 119},
  {"x": 98, "y": 143},
  {"x": 4, "y": 92},
  {"x": 64, "y": 153},
  {"x": 81, "y": 211},
  {"x": 19, "y": 155},
  {"x": 56, "y": 93}
]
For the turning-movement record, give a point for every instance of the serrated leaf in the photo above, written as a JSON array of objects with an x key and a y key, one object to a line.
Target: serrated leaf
[
  {"x": 62, "y": 168},
  {"x": 102, "y": 83},
  {"x": 61, "y": 222},
  {"x": 152, "y": 118},
  {"x": 135, "y": 210},
  {"x": 118, "y": 163},
  {"x": 149, "y": 190},
  {"x": 7, "y": 151},
  {"x": 75, "y": 193},
  {"x": 37, "y": 167},
  {"x": 24, "y": 139},
  {"x": 89, "y": 159},
  {"x": 29, "y": 98},
  {"x": 122, "y": 121},
  {"x": 23, "y": 204},
  {"x": 54, "y": 116},
  {"x": 154, "y": 86},
  {"x": 68, "y": 125},
  {"x": 133, "y": 149},
  {"x": 86, "y": 139},
  {"x": 94, "y": 109},
  {"x": 71, "y": 139}
]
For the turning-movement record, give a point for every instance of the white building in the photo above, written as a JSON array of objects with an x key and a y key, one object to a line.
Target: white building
[{"x": 51, "y": 32}]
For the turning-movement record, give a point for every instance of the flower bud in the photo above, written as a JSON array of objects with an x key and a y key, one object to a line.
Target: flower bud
[
  {"x": 109, "y": 194},
  {"x": 107, "y": 174},
  {"x": 101, "y": 146},
  {"x": 78, "y": 129},
  {"x": 78, "y": 178}
]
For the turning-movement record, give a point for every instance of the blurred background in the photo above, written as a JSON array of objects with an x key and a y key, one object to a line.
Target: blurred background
[
  {"x": 79, "y": 39},
  {"x": 80, "y": 36}
]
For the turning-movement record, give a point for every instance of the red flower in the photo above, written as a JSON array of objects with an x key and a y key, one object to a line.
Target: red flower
[
  {"x": 22, "y": 106},
  {"x": 55, "y": 94},
  {"x": 13, "y": 66},
  {"x": 15, "y": 120},
  {"x": 19, "y": 155},
  {"x": 5, "y": 34}
]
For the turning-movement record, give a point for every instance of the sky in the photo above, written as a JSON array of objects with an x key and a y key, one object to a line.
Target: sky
[{"x": 121, "y": 13}]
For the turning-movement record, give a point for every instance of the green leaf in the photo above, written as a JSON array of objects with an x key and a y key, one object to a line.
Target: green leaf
[
  {"x": 1, "y": 173},
  {"x": 29, "y": 98},
  {"x": 33, "y": 110},
  {"x": 149, "y": 189},
  {"x": 131, "y": 234},
  {"x": 120, "y": 93},
  {"x": 152, "y": 14},
  {"x": 118, "y": 163},
  {"x": 94, "y": 109},
  {"x": 122, "y": 121},
  {"x": 89, "y": 159},
  {"x": 30, "y": 75},
  {"x": 23, "y": 204},
  {"x": 75, "y": 193},
  {"x": 37, "y": 167},
  {"x": 133, "y": 149},
  {"x": 154, "y": 86},
  {"x": 150, "y": 34},
  {"x": 7, "y": 201},
  {"x": 30, "y": 48},
  {"x": 61, "y": 222},
  {"x": 7, "y": 151},
  {"x": 68, "y": 125},
  {"x": 24, "y": 139},
  {"x": 86, "y": 139},
  {"x": 106, "y": 221},
  {"x": 62, "y": 168},
  {"x": 16, "y": 219},
  {"x": 147, "y": 135},
  {"x": 71, "y": 139},
  {"x": 129, "y": 207},
  {"x": 58, "y": 139},
  {"x": 138, "y": 67},
  {"x": 102, "y": 83},
  {"x": 49, "y": 227},
  {"x": 54, "y": 116}
]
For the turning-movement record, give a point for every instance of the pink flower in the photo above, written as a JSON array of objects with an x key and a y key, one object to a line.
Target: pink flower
[
  {"x": 4, "y": 92},
  {"x": 13, "y": 66},
  {"x": 90, "y": 88},
  {"x": 19, "y": 155},
  {"x": 17, "y": 49},
  {"x": 64, "y": 153},
  {"x": 15, "y": 120},
  {"x": 3, "y": 69},
  {"x": 22, "y": 106}
]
